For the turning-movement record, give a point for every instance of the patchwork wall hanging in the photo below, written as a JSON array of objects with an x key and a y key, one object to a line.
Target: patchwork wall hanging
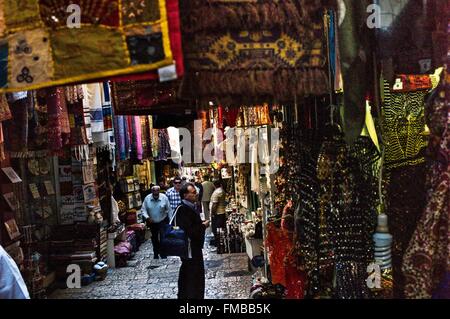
[
  {"x": 173, "y": 18},
  {"x": 38, "y": 47},
  {"x": 254, "y": 48}
]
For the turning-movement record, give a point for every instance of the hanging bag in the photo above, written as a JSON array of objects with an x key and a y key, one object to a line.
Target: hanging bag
[{"x": 174, "y": 241}]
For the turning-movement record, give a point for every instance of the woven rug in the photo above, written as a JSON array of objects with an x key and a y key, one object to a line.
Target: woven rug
[
  {"x": 140, "y": 97},
  {"x": 116, "y": 37},
  {"x": 254, "y": 48}
]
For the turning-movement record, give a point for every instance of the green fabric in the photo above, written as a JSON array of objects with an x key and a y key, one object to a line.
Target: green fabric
[
  {"x": 73, "y": 54},
  {"x": 20, "y": 13}
]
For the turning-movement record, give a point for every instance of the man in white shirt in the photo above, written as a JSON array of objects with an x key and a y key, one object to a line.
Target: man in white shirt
[
  {"x": 12, "y": 285},
  {"x": 217, "y": 207},
  {"x": 156, "y": 211},
  {"x": 208, "y": 189}
]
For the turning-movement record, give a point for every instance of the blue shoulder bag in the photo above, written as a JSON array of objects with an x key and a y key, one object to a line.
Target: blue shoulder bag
[{"x": 174, "y": 241}]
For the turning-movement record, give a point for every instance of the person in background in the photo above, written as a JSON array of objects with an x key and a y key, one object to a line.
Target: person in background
[
  {"x": 199, "y": 189},
  {"x": 173, "y": 194},
  {"x": 156, "y": 210},
  {"x": 217, "y": 207},
  {"x": 198, "y": 184},
  {"x": 12, "y": 285},
  {"x": 208, "y": 189},
  {"x": 191, "y": 280},
  {"x": 162, "y": 185}
]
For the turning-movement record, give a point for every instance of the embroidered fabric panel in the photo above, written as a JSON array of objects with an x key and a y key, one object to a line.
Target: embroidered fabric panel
[
  {"x": 404, "y": 126},
  {"x": 39, "y": 47}
]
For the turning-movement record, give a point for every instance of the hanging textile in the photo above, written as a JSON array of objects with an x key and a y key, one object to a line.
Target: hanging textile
[
  {"x": 78, "y": 135},
  {"x": 141, "y": 97},
  {"x": 173, "y": 17},
  {"x": 27, "y": 130},
  {"x": 164, "y": 150},
  {"x": 254, "y": 50},
  {"x": 107, "y": 116},
  {"x": 128, "y": 135},
  {"x": 426, "y": 264},
  {"x": 5, "y": 113},
  {"x": 107, "y": 43},
  {"x": 58, "y": 119},
  {"x": 406, "y": 138},
  {"x": 16, "y": 129},
  {"x": 121, "y": 137},
  {"x": 139, "y": 148},
  {"x": 404, "y": 127},
  {"x": 139, "y": 94},
  {"x": 155, "y": 143},
  {"x": 145, "y": 136},
  {"x": 2, "y": 144}
]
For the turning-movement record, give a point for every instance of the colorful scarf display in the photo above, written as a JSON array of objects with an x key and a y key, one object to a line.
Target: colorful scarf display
[{"x": 114, "y": 38}]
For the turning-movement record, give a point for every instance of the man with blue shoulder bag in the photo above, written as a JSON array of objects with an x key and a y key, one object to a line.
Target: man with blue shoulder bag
[{"x": 191, "y": 280}]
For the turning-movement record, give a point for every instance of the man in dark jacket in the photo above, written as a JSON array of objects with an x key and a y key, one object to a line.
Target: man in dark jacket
[{"x": 191, "y": 281}]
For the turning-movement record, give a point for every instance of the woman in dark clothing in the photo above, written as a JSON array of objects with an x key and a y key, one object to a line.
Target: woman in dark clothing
[{"x": 191, "y": 281}]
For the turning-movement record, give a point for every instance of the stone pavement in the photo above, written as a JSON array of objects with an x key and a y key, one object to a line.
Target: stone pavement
[{"x": 227, "y": 277}]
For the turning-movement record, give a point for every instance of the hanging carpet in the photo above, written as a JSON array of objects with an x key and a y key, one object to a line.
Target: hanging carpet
[{"x": 253, "y": 49}]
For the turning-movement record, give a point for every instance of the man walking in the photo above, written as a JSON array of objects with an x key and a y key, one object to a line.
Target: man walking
[
  {"x": 208, "y": 189},
  {"x": 191, "y": 280},
  {"x": 156, "y": 210},
  {"x": 173, "y": 194},
  {"x": 217, "y": 207}
]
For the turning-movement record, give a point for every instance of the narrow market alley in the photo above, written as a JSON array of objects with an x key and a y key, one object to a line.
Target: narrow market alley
[{"x": 227, "y": 277}]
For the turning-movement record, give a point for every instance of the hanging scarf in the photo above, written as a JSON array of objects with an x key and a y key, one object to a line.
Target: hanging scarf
[
  {"x": 2, "y": 144},
  {"x": 163, "y": 145},
  {"x": 5, "y": 113},
  {"x": 134, "y": 155},
  {"x": 146, "y": 142},
  {"x": 64, "y": 120},
  {"x": 108, "y": 115},
  {"x": 155, "y": 143},
  {"x": 58, "y": 121},
  {"x": 138, "y": 128},
  {"x": 87, "y": 114},
  {"x": 121, "y": 145},
  {"x": 78, "y": 135}
]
